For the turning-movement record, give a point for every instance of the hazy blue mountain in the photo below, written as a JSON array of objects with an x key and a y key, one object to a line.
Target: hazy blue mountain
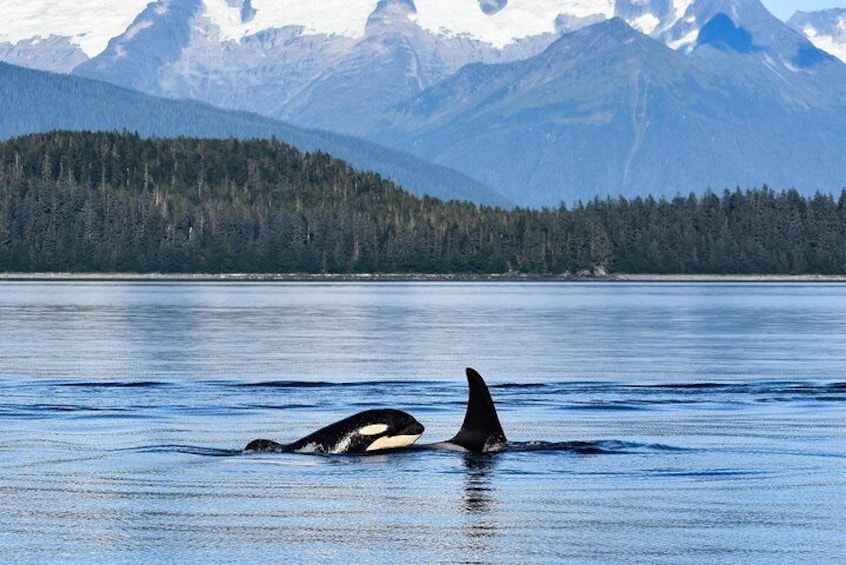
[
  {"x": 35, "y": 101},
  {"x": 608, "y": 110}
]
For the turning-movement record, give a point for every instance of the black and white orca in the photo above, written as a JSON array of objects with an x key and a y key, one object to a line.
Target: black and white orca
[
  {"x": 388, "y": 430},
  {"x": 395, "y": 430},
  {"x": 366, "y": 432},
  {"x": 481, "y": 431}
]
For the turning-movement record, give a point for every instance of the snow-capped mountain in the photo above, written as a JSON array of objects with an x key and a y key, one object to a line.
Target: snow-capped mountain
[
  {"x": 826, "y": 29},
  {"x": 323, "y": 63},
  {"x": 91, "y": 24},
  {"x": 336, "y": 65},
  {"x": 331, "y": 64},
  {"x": 58, "y": 35},
  {"x": 87, "y": 26}
]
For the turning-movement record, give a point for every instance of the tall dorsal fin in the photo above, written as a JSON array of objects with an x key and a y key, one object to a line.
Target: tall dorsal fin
[{"x": 481, "y": 430}]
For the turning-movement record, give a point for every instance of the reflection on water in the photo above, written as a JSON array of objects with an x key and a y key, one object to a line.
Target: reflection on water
[
  {"x": 478, "y": 491},
  {"x": 421, "y": 331},
  {"x": 480, "y": 501}
]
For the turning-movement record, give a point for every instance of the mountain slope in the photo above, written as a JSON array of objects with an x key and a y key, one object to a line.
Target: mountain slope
[
  {"x": 34, "y": 101},
  {"x": 607, "y": 110}
]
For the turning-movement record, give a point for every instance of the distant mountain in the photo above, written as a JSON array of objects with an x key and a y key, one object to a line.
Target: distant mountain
[
  {"x": 55, "y": 54},
  {"x": 826, "y": 29},
  {"x": 607, "y": 110},
  {"x": 35, "y": 101},
  {"x": 329, "y": 64},
  {"x": 542, "y": 100},
  {"x": 60, "y": 34}
]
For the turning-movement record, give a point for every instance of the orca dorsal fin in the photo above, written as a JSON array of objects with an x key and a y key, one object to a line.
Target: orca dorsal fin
[{"x": 481, "y": 430}]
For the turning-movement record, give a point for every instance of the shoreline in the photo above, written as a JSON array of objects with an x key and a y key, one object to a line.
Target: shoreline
[{"x": 408, "y": 277}]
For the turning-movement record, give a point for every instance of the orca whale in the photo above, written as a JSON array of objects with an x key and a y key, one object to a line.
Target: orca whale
[
  {"x": 481, "y": 431},
  {"x": 365, "y": 432},
  {"x": 388, "y": 430}
]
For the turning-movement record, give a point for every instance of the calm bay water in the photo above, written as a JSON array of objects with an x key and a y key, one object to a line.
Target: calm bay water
[{"x": 713, "y": 415}]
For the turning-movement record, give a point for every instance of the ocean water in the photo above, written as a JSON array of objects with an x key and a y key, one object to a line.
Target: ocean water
[{"x": 694, "y": 423}]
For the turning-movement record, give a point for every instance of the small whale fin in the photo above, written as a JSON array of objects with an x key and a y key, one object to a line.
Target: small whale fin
[{"x": 481, "y": 430}]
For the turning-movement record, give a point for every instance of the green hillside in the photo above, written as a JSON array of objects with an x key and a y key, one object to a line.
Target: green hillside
[{"x": 117, "y": 202}]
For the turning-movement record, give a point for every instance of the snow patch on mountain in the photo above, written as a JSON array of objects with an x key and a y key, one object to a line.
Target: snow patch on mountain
[
  {"x": 647, "y": 23},
  {"x": 681, "y": 6},
  {"x": 827, "y": 43},
  {"x": 345, "y": 18},
  {"x": 826, "y": 29},
  {"x": 516, "y": 20}
]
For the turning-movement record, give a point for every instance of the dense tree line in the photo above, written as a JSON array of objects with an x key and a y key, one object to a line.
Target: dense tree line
[{"x": 116, "y": 202}]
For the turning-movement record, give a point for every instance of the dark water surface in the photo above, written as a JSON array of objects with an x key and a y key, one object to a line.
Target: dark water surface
[{"x": 697, "y": 423}]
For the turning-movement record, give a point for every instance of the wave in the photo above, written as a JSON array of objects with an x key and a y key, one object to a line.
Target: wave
[
  {"x": 114, "y": 384},
  {"x": 186, "y": 449}
]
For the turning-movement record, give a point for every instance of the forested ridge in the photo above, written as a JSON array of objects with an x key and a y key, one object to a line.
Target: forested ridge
[{"x": 117, "y": 202}]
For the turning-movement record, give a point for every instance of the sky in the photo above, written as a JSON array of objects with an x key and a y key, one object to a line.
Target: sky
[{"x": 785, "y": 8}]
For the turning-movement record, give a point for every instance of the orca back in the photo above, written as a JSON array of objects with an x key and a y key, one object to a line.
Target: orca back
[
  {"x": 368, "y": 431},
  {"x": 265, "y": 445}
]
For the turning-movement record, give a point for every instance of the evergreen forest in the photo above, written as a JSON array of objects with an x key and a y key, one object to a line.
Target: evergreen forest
[{"x": 114, "y": 202}]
